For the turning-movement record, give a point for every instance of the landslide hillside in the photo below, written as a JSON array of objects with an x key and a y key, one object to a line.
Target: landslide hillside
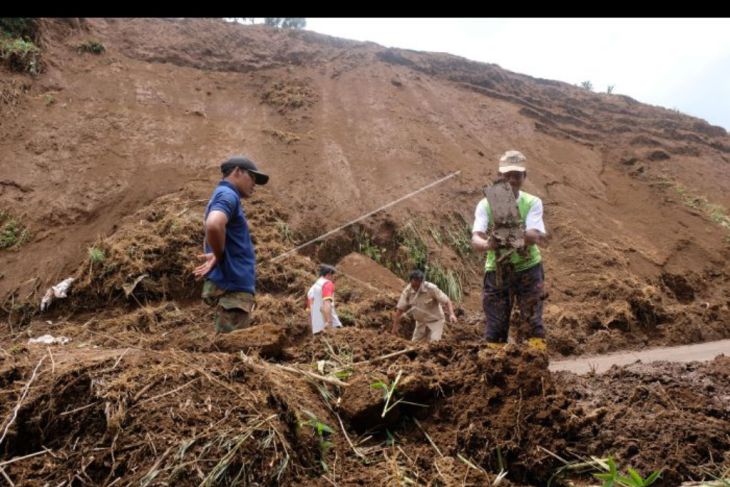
[{"x": 108, "y": 159}]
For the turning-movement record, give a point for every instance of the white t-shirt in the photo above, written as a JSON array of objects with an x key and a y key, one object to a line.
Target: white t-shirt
[
  {"x": 316, "y": 301},
  {"x": 533, "y": 220}
]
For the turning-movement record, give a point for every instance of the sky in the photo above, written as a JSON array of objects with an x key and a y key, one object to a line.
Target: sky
[{"x": 681, "y": 64}]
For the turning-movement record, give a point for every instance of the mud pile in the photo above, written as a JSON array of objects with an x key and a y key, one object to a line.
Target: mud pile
[
  {"x": 144, "y": 393},
  {"x": 349, "y": 406}
]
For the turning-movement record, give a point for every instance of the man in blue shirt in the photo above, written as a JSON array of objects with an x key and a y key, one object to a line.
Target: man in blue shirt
[{"x": 229, "y": 261}]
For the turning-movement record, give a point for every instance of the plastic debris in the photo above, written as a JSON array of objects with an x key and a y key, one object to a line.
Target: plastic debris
[
  {"x": 49, "y": 340},
  {"x": 60, "y": 290}
]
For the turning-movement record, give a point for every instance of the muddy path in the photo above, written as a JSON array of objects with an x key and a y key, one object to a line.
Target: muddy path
[{"x": 686, "y": 353}]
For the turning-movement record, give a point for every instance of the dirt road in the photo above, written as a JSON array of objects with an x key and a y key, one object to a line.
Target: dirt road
[{"x": 684, "y": 353}]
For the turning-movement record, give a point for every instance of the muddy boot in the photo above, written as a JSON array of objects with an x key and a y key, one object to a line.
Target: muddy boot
[{"x": 537, "y": 344}]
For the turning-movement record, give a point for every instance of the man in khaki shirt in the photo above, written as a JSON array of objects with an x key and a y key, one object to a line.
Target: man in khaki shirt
[{"x": 423, "y": 300}]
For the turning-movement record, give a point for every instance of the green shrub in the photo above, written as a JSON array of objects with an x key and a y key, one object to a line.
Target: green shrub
[
  {"x": 13, "y": 234},
  {"x": 96, "y": 255},
  {"x": 91, "y": 47},
  {"x": 447, "y": 280},
  {"x": 20, "y": 55},
  {"x": 22, "y": 27}
]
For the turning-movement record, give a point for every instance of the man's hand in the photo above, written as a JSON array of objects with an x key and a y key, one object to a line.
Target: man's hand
[
  {"x": 452, "y": 318},
  {"x": 533, "y": 236},
  {"x": 209, "y": 262},
  {"x": 492, "y": 243}
]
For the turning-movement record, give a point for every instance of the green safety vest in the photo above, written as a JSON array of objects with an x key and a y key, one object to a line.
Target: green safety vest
[{"x": 524, "y": 203}]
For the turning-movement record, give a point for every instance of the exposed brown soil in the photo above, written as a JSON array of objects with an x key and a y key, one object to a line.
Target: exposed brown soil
[{"x": 119, "y": 152}]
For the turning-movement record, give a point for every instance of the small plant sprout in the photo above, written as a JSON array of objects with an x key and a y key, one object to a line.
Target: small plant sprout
[
  {"x": 612, "y": 477},
  {"x": 96, "y": 255},
  {"x": 322, "y": 431},
  {"x": 389, "y": 391}
]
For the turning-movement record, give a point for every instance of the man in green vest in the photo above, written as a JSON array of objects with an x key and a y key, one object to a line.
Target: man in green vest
[{"x": 524, "y": 278}]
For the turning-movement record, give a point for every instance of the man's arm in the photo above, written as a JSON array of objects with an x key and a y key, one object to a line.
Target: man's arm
[
  {"x": 444, "y": 300},
  {"x": 396, "y": 320},
  {"x": 215, "y": 235},
  {"x": 533, "y": 236},
  {"x": 535, "y": 233},
  {"x": 479, "y": 240},
  {"x": 482, "y": 243},
  {"x": 450, "y": 307}
]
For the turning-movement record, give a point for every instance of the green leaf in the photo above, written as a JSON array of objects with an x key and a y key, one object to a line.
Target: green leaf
[
  {"x": 603, "y": 476},
  {"x": 638, "y": 479},
  {"x": 326, "y": 429},
  {"x": 627, "y": 481},
  {"x": 653, "y": 477}
]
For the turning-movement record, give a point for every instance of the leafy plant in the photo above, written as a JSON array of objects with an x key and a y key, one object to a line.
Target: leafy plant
[
  {"x": 447, "y": 280},
  {"x": 390, "y": 439},
  {"x": 459, "y": 237},
  {"x": 411, "y": 238},
  {"x": 612, "y": 477},
  {"x": 22, "y": 27},
  {"x": 389, "y": 390},
  {"x": 322, "y": 431},
  {"x": 96, "y": 255},
  {"x": 714, "y": 212},
  {"x": 92, "y": 47},
  {"x": 367, "y": 247},
  {"x": 13, "y": 234},
  {"x": 436, "y": 235},
  {"x": 20, "y": 55},
  {"x": 286, "y": 22},
  {"x": 587, "y": 85}
]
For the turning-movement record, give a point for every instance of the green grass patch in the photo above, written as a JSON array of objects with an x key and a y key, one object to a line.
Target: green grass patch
[
  {"x": 13, "y": 234},
  {"x": 366, "y": 246},
  {"x": 447, "y": 280},
  {"x": 91, "y": 47},
  {"x": 96, "y": 255},
  {"x": 716, "y": 213},
  {"x": 20, "y": 55}
]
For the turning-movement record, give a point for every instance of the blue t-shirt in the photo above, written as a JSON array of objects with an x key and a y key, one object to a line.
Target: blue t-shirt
[{"x": 237, "y": 272}]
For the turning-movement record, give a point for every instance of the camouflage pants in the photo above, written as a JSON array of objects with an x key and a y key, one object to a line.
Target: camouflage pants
[{"x": 233, "y": 308}]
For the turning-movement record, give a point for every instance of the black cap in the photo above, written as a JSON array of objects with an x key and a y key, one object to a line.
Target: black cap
[
  {"x": 325, "y": 269},
  {"x": 416, "y": 274},
  {"x": 248, "y": 165}
]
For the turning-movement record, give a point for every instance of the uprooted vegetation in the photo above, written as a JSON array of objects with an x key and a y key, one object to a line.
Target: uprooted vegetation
[
  {"x": 447, "y": 412},
  {"x": 18, "y": 49},
  {"x": 146, "y": 393},
  {"x": 289, "y": 95}
]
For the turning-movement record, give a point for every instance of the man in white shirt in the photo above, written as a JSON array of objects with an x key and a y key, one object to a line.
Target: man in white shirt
[{"x": 524, "y": 278}]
